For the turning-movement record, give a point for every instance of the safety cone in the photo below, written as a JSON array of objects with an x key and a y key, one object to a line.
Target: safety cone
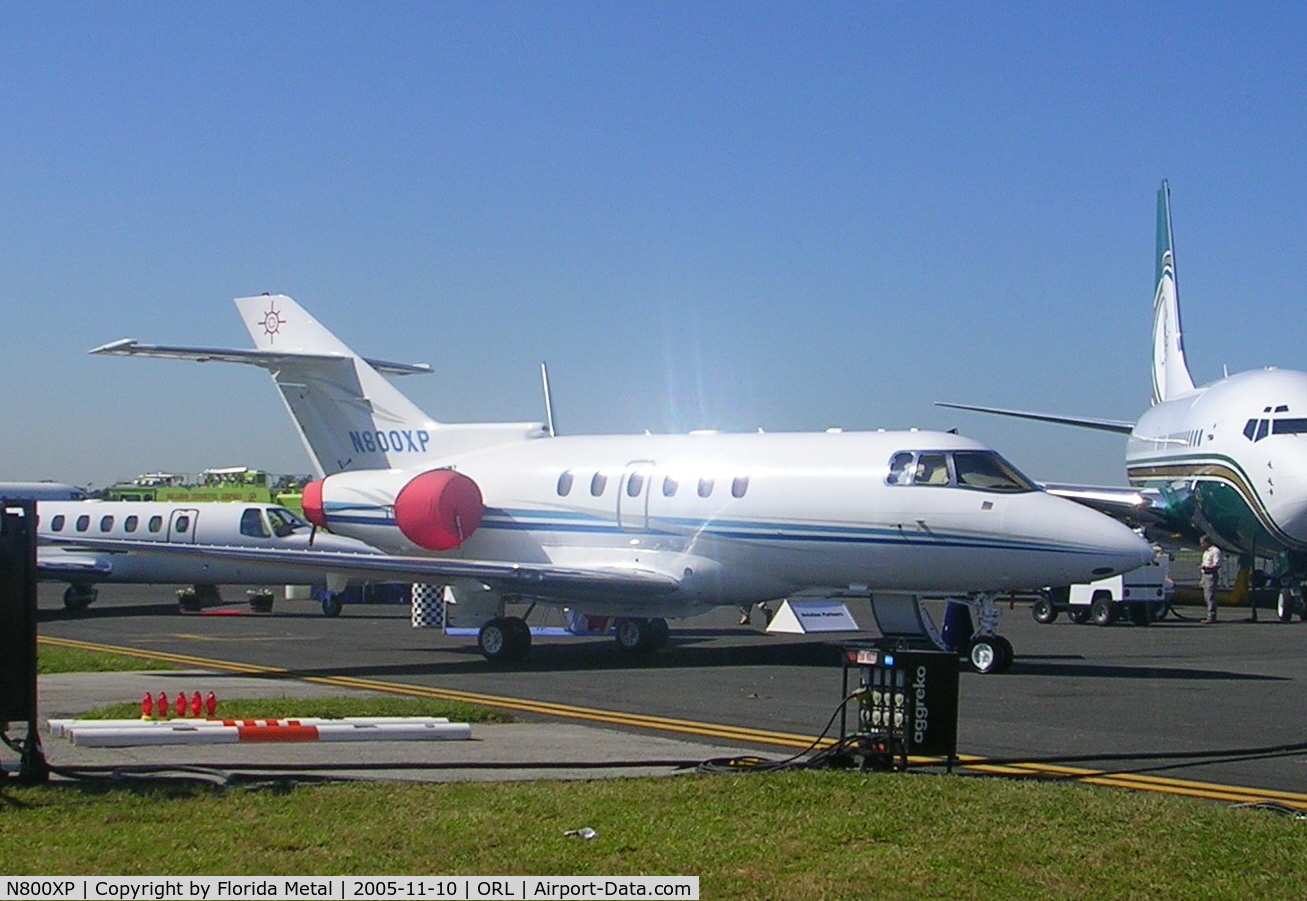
[
  {"x": 147, "y": 706},
  {"x": 210, "y": 704},
  {"x": 180, "y": 706},
  {"x": 161, "y": 706},
  {"x": 195, "y": 704}
]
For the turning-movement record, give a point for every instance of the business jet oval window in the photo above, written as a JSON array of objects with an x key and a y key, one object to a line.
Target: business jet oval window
[
  {"x": 130, "y": 523},
  {"x": 106, "y": 523},
  {"x": 598, "y": 484},
  {"x": 739, "y": 486},
  {"x": 83, "y": 523},
  {"x": 181, "y": 524},
  {"x": 705, "y": 487},
  {"x": 155, "y": 524},
  {"x": 565, "y": 484},
  {"x": 634, "y": 484},
  {"x": 987, "y": 471},
  {"x": 57, "y": 524},
  {"x": 669, "y": 487}
]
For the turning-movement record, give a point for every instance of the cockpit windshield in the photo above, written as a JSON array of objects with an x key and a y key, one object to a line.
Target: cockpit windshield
[
  {"x": 977, "y": 470},
  {"x": 284, "y": 522}
]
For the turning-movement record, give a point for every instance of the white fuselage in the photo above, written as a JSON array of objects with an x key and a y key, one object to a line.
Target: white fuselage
[
  {"x": 1233, "y": 455},
  {"x": 736, "y": 518},
  {"x": 227, "y": 524}
]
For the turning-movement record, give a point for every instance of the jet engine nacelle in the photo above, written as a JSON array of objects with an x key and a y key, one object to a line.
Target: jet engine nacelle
[{"x": 437, "y": 510}]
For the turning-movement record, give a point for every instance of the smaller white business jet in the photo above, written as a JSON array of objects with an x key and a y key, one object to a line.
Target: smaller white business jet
[
  {"x": 646, "y": 527},
  {"x": 67, "y": 530},
  {"x": 1228, "y": 459}
]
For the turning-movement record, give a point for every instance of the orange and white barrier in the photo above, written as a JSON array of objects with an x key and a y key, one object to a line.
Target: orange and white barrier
[{"x": 137, "y": 733}]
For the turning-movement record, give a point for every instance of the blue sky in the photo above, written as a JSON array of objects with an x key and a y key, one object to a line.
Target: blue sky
[{"x": 779, "y": 215}]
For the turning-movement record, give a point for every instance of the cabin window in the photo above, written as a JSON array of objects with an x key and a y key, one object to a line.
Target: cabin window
[
  {"x": 155, "y": 524},
  {"x": 565, "y": 484},
  {"x": 739, "y": 486},
  {"x": 669, "y": 487},
  {"x": 634, "y": 484},
  {"x": 598, "y": 483},
  {"x": 181, "y": 523},
  {"x": 130, "y": 523},
  {"x": 57, "y": 524},
  {"x": 83, "y": 523},
  {"x": 705, "y": 487},
  {"x": 106, "y": 523},
  {"x": 252, "y": 524}
]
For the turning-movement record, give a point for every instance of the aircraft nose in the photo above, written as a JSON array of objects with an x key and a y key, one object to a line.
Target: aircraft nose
[{"x": 1110, "y": 547}]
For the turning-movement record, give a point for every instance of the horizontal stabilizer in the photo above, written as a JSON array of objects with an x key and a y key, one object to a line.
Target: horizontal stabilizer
[
  {"x": 1084, "y": 422},
  {"x": 266, "y": 359}
]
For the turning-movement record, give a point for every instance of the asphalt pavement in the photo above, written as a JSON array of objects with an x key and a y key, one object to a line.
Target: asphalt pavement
[{"x": 1115, "y": 698}]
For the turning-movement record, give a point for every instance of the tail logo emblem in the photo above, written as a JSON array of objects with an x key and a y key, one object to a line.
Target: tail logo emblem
[{"x": 272, "y": 322}]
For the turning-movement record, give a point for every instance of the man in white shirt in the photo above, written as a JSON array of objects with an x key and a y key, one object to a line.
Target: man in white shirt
[{"x": 1210, "y": 566}]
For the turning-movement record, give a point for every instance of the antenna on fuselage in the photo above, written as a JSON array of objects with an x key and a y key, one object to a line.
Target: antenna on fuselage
[{"x": 549, "y": 399}]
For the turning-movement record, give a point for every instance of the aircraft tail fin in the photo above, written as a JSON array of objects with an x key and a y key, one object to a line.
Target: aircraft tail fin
[
  {"x": 348, "y": 415},
  {"x": 1171, "y": 376}
]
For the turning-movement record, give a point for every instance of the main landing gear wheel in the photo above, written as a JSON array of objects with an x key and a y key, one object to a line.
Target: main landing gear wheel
[
  {"x": 1043, "y": 611},
  {"x": 990, "y": 654},
  {"x": 78, "y": 598},
  {"x": 504, "y": 638},
  {"x": 635, "y": 636}
]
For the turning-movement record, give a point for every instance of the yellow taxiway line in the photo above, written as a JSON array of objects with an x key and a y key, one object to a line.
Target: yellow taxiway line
[{"x": 1234, "y": 794}]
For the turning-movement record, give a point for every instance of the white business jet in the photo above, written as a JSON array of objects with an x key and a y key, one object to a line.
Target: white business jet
[
  {"x": 646, "y": 527},
  {"x": 1228, "y": 459},
  {"x": 66, "y": 554}
]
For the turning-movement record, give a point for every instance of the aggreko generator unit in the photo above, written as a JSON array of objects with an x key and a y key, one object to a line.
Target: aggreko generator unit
[{"x": 907, "y": 704}]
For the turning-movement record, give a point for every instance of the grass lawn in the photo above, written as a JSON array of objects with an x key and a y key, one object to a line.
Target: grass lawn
[{"x": 791, "y": 835}]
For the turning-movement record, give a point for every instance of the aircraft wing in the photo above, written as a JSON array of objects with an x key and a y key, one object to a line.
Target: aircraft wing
[
  {"x": 267, "y": 359},
  {"x": 539, "y": 580},
  {"x": 62, "y": 565},
  {"x": 1133, "y": 506},
  {"x": 1104, "y": 425}
]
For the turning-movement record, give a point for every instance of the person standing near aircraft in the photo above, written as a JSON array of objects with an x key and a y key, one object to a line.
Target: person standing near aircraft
[{"x": 1211, "y": 567}]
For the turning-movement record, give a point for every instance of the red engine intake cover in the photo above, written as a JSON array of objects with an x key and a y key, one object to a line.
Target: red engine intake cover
[
  {"x": 312, "y": 503},
  {"x": 438, "y": 510}
]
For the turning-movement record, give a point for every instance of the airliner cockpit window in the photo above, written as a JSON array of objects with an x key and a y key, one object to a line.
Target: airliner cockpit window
[
  {"x": 987, "y": 471},
  {"x": 1289, "y": 427}
]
